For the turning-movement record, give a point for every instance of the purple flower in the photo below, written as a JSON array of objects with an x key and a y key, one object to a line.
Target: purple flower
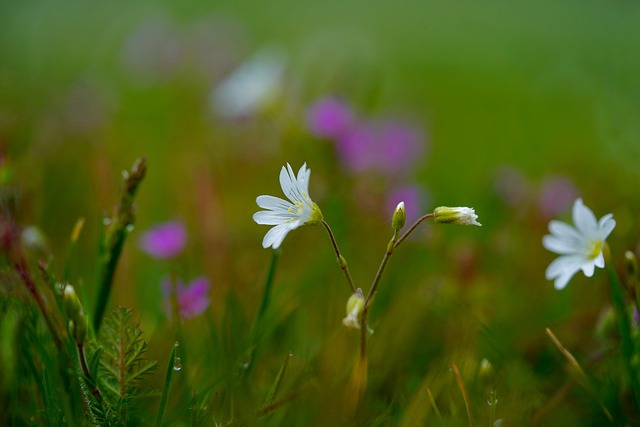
[
  {"x": 357, "y": 148},
  {"x": 556, "y": 196},
  {"x": 329, "y": 118},
  {"x": 164, "y": 241},
  {"x": 391, "y": 147},
  {"x": 191, "y": 299},
  {"x": 413, "y": 198},
  {"x": 399, "y": 146}
]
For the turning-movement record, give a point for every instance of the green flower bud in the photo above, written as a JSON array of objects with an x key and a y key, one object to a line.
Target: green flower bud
[
  {"x": 75, "y": 314},
  {"x": 458, "y": 216},
  {"x": 355, "y": 305},
  {"x": 399, "y": 217}
]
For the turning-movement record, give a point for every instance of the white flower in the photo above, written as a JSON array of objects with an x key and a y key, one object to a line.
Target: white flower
[
  {"x": 580, "y": 247},
  {"x": 288, "y": 215},
  {"x": 458, "y": 215},
  {"x": 255, "y": 84}
]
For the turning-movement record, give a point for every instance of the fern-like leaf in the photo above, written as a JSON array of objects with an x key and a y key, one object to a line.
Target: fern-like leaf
[{"x": 122, "y": 363}]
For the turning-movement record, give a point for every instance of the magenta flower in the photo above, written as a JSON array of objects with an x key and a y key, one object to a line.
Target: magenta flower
[
  {"x": 399, "y": 147},
  {"x": 329, "y": 118},
  {"x": 164, "y": 241},
  {"x": 392, "y": 147},
  {"x": 357, "y": 148},
  {"x": 192, "y": 299}
]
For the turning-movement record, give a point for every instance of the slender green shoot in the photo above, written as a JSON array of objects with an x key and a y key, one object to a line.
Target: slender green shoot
[
  {"x": 117, "y": 229},
  {"x": 167, "y": 385}
]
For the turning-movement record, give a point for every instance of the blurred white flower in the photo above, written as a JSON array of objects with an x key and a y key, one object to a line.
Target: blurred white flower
[
  {"x": 252, "y": 86},
  {"x": 288, "y": 215},
  {"x": 579, "y": 247}
]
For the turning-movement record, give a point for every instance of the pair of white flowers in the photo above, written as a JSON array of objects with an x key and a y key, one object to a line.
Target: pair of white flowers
[{"x": 287, "y": 215}]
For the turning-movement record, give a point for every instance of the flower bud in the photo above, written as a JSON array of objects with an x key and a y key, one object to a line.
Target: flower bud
[
  {"x": 75, "y": 314},
  {"x": 355, "y": 305},
  {"x": 458, "y": 216},
  {"x": 631, "y": 264},
  {"x": 399, "y": 217}
]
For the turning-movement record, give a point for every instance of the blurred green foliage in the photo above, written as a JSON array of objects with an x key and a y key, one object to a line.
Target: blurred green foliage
[{"x": 547, "y": 89}]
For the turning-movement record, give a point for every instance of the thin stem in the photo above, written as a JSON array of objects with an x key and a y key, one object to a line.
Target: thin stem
[
  {"x": 623, "y": 327},
  {"x": 93, "y": 388},
  {"x": 463, "y": 390},
  {"x": 383, "y": 264},
  {"x": 391, "y": 247},
  {"x": 413, "y": 227},
  {"x": 341, "y": 260},
  {"x": 22, "y": 269},
  {"x": 364, "y": 329},
  {"x": 166, "y": 387}
]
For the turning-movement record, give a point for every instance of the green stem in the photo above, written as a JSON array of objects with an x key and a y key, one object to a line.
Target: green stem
[
  {"x": 623, "y": 328},
  {"x": 166, "y": 388},
  {"x": 93, "y": 387},
  {"x": 391, "y": 247},
  {"x": 412, "y": 228},
  {"x": 266, "y": 298},
  {"x": 341, "y": 260}
]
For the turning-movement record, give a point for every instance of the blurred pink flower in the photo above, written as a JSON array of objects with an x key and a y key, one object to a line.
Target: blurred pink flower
[
  {"x": 329, "y": 118},
  {"x": 164, "y": 241},
  {"x": 392, "y": 147},
  {"x": 192, "y": 299},
  {"x": 556, "y": 195}
]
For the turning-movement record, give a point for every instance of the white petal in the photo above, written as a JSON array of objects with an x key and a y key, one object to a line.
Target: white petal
[
  {"x": 273, "y": 203},
  {"x": 561, "y": 265},
  {"x": 303, "y": 179},
  {"x": 587, "y": 268},
  {"x": 606, "y": 225},
  {"x": 583, "y": 218},
  {"x": 275, "y": 236},
  {"x": 287, "y": 181},
  {"x": 599, "y": 260},
  {"x": 271, "y": 217},
  {"x": 559, "y": 246},
  {"x": 564, "y": 231},
  {"x": 562, "y": 280}
]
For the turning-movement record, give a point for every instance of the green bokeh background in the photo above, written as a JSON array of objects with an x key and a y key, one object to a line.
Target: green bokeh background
[{"x": 549, "y": 88}]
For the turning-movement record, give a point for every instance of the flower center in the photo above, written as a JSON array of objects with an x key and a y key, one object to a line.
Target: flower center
[
  {"x": 594, "y": 249},
  {"x": 299, "y": 210}
]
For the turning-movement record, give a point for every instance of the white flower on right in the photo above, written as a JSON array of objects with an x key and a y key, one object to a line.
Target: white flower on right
[
  {"x": 580, "y": 246},
  {"x": 287, "y": 215}
]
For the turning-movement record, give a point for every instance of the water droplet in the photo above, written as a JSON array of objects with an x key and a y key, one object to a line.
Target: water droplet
[
  {"x": 177, "y": 364},
  {"x": 177, "y": 344},
  {"x": 106, "y": 220},
  {"x": 129, "y": 228}
]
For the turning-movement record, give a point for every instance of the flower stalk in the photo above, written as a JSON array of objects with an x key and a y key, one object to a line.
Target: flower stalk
[
  {"x": 624, "y": 328},
  {"x": 342, "y": 262}
]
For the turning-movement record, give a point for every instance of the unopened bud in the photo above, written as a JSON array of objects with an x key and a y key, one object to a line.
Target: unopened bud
[
  {"x": 355, "y": 305},
  {"x": 75, "y": 314},
  {"x": 458, "y": 215},
  {"x": 485, "y": 370},
  {"x": 399, "y": 217},
  {"x": 631, "y": 264}
]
